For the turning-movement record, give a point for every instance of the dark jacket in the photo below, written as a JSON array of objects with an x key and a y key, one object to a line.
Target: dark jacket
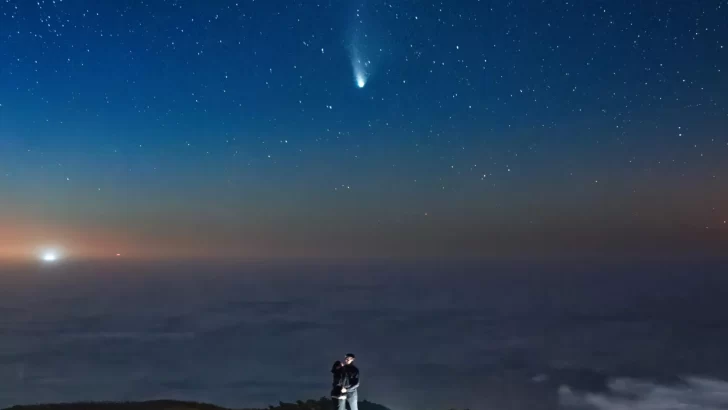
[
  {"x": 337, "y": 371},
  {"x": 351, "y": 377}
]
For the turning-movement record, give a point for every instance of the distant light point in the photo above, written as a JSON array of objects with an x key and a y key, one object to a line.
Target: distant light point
[{"x": 49, "y": 257}]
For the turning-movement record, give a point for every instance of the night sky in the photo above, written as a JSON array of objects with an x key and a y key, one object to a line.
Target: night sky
[{"x": 363, "y": 129}]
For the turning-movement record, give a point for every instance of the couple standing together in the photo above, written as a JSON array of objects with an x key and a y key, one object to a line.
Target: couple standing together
[{"x": 346, "y": 383}]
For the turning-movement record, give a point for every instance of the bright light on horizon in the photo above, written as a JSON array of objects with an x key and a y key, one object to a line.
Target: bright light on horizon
[{"x": 50, "y": 255}]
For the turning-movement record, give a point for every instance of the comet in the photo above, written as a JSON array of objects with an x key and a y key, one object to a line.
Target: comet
[
  {"x": 360, "y": 66},
  {"x": 366, "y": 42},
  {"x": 361, "y": 80}
]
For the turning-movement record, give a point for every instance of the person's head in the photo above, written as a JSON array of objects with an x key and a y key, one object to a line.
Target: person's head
[{"x": 349, "y": 358}]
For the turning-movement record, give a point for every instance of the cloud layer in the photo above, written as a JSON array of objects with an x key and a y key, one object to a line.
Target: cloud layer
[{"x": 427, "y": 336}]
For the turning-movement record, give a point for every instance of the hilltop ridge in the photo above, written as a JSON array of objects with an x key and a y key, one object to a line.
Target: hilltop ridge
[{"x": 321, "y": 404}]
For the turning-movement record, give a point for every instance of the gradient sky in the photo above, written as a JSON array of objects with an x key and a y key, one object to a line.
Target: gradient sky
[{"x": 236, "y": 129}]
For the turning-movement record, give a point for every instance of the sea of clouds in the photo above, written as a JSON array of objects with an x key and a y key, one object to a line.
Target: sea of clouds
[
  {"x": 428, "y": 337},
  {"x": 693, "y": 393}
]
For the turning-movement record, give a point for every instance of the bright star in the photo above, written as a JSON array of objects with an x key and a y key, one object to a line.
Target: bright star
[{"x": 49, "y": 257}]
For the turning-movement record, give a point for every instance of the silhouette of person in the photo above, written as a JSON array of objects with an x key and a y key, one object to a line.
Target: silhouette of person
[
  {"x": 350, "y": 383},
  {"x": 337, "y": 371}
]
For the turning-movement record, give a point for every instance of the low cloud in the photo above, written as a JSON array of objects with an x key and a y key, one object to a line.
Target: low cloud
[{"x": 631, "y": 394}]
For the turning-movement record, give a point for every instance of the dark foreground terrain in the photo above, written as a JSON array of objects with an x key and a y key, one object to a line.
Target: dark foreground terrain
[{"x": 322, "y": 404}]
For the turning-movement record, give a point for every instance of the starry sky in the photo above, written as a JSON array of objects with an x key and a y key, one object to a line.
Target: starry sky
[{"x": 279, "y": 129}]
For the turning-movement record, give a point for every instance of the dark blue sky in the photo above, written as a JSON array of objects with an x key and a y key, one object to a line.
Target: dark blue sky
[{"x": 221, "y": 129}]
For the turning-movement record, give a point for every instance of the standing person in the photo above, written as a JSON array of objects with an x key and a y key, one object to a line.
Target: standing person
[
  {"x": 350, "y": 383},
  {"x": 337, "y": 371}
]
